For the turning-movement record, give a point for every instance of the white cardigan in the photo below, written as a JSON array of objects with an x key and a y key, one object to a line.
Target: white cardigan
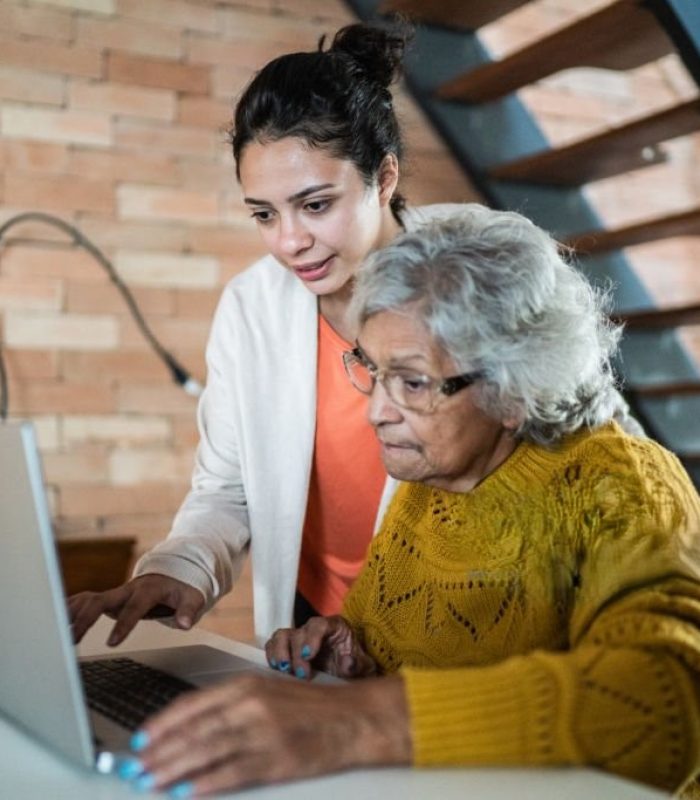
[{"x": 257, "y": 419}]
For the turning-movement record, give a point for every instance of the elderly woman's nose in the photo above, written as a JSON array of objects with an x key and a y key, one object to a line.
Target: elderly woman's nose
[{"x": 381, "y": 408}]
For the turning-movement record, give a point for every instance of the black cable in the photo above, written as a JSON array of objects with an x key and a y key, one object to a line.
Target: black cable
[
  {"x": 4, "y": 394},
  {"x": 179, "y": 373}
]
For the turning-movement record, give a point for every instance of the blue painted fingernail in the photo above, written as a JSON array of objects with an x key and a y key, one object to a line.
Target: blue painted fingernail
[
  {"x": 181, "y": 790},
  {"x": 145, "y": 782},
  {"x": 129, "y": 768},
  {"x": 300, "y": 672},
  {"x": 305, "y": 651},
  {"x": 284, "y": 666},
  {"x": 273, "y": 662},
  {"x": 138, "y": 741}
]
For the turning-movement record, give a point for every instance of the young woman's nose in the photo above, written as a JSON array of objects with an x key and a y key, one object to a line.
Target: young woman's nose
[{"x": 293, "y": 237}]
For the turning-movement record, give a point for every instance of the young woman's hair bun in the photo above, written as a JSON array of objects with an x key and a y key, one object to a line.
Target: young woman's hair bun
[{"x": 378, "y": 52}]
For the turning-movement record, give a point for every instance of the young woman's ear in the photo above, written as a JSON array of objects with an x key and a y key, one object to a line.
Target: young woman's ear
[{"x": 388, "y": 178}]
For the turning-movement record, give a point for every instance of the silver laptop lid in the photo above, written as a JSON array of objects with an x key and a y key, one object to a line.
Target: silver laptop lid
[{"x": 39, "y": 683}]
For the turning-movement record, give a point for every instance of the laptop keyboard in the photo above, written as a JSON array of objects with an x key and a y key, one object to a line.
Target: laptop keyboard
[{"x": 126, "y": 691}]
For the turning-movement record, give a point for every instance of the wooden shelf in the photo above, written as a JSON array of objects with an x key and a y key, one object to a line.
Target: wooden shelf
[
  {"x": 591, "y": 243},
  {"x": 677, "y": 388},
  {"x": 619, "y": 150},
  {"x": 461, "y": 14},
  {"x": 659, "y": 318},
  {"x": 95, "y": 564},
  {"x": 621, "y": 36}
]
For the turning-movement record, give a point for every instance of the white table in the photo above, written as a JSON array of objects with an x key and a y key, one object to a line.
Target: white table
[{"x": 28, "y": 771}]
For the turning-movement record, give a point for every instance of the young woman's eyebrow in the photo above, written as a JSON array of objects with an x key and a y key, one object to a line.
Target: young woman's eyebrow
[{"x": 293, "y": 198}]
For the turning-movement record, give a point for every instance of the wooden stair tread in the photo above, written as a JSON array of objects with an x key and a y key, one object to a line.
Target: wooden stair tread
[
  {"x": 686, "y": 223},
  {"x": 659, "y": 318},
  {"x": 667, "y": 389},
  {"x": 467, "y": 15},
  {"x": 621, "y": 36},
  {"x": 621, "y": 149}
]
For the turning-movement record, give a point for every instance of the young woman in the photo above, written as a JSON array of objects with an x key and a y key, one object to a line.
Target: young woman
[{"x": 288, "y": 466}]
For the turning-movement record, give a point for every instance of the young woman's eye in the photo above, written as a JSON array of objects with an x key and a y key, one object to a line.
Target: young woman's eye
[
  {"x": 262, "y": 216},
  {"x": 317, "y": 206}
]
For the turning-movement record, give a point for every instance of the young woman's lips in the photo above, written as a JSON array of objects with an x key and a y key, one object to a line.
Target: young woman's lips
[{"x": 315, "y": 271}]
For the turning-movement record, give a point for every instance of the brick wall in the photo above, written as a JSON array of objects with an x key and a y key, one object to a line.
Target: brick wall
[{"x": 112, "y": 115}]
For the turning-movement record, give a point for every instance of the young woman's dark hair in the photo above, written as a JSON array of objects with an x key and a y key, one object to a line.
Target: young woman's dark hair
[{"x": 336, "y": 99}]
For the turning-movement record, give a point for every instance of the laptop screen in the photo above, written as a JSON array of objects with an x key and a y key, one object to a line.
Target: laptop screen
[{"x": 39, "y": 683}]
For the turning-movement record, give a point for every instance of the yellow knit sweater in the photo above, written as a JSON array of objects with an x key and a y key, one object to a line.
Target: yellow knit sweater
[{"x": 549, "y": 616}]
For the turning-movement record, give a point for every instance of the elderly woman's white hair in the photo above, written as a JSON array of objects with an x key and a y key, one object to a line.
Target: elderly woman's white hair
[{"x": 496, "y": 293}]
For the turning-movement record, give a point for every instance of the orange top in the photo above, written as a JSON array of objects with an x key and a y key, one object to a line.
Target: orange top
[{"x": 347, "y": 480}]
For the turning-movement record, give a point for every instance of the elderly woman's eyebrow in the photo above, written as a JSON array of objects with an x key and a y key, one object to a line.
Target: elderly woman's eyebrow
[{"x": 394, "y": 361}]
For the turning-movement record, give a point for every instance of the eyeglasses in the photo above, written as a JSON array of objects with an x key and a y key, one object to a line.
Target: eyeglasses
[{"x": 406, "y": 388}]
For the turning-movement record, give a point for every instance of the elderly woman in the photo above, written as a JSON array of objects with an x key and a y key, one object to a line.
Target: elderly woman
[{"x": 532, "y": 597}]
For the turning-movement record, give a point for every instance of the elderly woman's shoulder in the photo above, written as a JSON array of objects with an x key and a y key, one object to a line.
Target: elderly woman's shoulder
[{"x": 637, "y": 461}]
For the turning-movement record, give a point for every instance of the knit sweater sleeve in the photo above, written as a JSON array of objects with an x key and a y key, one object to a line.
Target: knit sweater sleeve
[{"x": 624, "y": 694}]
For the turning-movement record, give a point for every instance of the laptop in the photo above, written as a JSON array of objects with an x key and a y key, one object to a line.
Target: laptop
[{"x": 41, "y": 687}]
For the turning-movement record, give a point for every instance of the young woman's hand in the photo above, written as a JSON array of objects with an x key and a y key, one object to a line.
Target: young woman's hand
[
  {"x": 145, "y": 597},
  {"x": 323, "y": 643}
]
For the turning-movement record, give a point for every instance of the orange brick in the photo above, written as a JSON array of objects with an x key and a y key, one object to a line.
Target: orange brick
[
  {"x": 34, "y": 156},
  {"x": 75, "y": 527},
  {"x": 131, "y": 466},
  {"x": 167, "y": 270},
  {"x": 229, "y": 82},
  {"x": 169, "y": 139},
  {"x": 89, "y": 298},
  {"x": 204, "y": 112},
  {"x": 223, "y": 241},
  {"x": 237, "y": 51},
  {"x": 29, "y": 294},
  {"x": 54, "y": 331},
  {"x": 42, "y": 261},
  {"x": 208, "y": 175},
  {"x": 58, "y": 193},
  {"x": 119, "y": 165},
  {"x": 185, "y": 431},
  {"x": 36, "y": 22},
  {"x": 293, "y": 33},
  {"x": 173, "y": 13},
  {"x": 139, "y": 202},
  {"x": 123, "y": 431},
  {"x": 159, "y": 73},
  {"x": 55, "y": 58},
  {"x": 93, "y": 6},
  {"x": 130, "y": 35},
  {"x": 22, "y": 365},
  {"x": 49, "y": 125},
  {"x": 28, "y": 86},
  {"x": 86, "y": 467},
  {"x": 56, "y": 397},
  {"x": 142, "y": 235},
  {"x": 115, "y": 98},
  {"x": 123, "y": 366},
  {"x": 198, "y": 304},
  {"x": 169, "y": 399},
  {"x": 88, "y": 500},
  {"x": 174, "y": 334}
]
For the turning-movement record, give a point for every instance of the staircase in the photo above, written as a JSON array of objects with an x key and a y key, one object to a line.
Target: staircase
[{"x": 472, "y": 101}]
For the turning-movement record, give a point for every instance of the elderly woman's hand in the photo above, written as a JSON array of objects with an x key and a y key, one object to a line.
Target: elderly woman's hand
[
  {"x": 324, "y": 643},
  {"x": 254, "y": 730}
]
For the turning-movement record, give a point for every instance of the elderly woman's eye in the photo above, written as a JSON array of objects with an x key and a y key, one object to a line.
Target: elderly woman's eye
[{"x": 415, "y": 384}]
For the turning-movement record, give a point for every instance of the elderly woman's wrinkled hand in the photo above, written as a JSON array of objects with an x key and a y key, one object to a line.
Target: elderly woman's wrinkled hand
[
  {"x": 328, "y": 644},
  {"x": 255, "y": 729}
]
